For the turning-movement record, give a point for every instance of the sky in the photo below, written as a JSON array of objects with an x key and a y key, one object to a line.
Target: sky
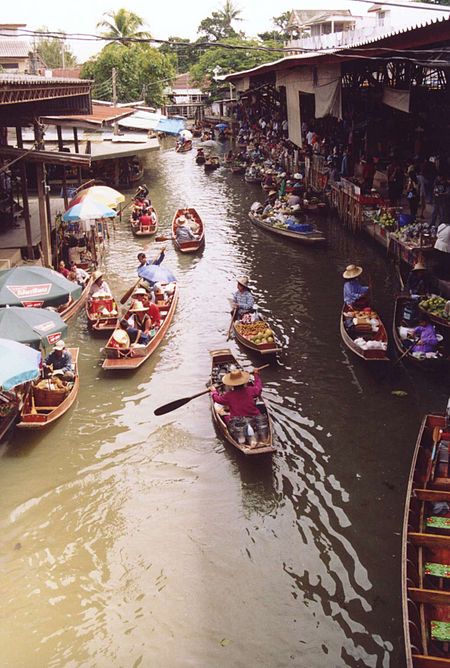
[{"x": 172, "y": 18}]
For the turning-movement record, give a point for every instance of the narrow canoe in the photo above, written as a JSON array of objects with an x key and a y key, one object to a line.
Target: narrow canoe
[
  {"x": 9, "y": 411},
  {"x": 133, "y": 357},
  {"x": 101, "y": 315},
  {"x": 349, "y": 337},
  {"x": 184, "y": 147},
  {"x": 193, "y": 244},
  {"x": 200, "y": 158},
  {"x": 426, "y": 549},
  {"x": 211, "y": 163},
  {"x": 37, "y": 415},
  {"x": 427, "y": 363},
  {"x": 71, "y": 308},
  {"x": 313, "y": 238},
  {"x": 242, "y": 332},
  {"x": 140, "y": 230},
  {"x": 221, "y": 360}
]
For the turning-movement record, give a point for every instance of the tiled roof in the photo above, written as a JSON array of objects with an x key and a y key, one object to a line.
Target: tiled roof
[
  {"x": 31, "y": 79},
  {"x": 67, "y": 72},
  {"x": 182, "y": 81},
  {"x": 14, "y": 48}
]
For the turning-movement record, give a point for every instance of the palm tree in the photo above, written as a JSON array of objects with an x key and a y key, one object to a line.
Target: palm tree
[
  {"x": 230, "y": 13},
  {"x": 122, "y": 26}
]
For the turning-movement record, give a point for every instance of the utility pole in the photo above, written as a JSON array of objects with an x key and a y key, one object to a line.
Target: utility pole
[{"x": 114, "y": 97}]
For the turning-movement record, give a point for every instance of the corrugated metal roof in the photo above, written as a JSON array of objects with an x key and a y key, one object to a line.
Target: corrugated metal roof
[
  {"x": 302, "y": 57},
  {"x": 32, "y": 80},
  {"x": 14, "y": 48},
  {"x": 100, "y": 114}
]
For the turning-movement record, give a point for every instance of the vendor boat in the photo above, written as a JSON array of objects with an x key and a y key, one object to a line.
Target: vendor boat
[
  {"x": 251, "y": 176},
  {"x": 364, "y": 334},
  {"x": 144, "y": 230},
  {"x": 192, "y": 245},
  {"x": 212, "y": 162},
  {"x": 132, "y": 357},
  {"x": 183, "y": 147},
  {"x": 221, "y": 361},
  {"x": 306, "y": 234},
  {"x": 49, "y": 398},
  {"x": 9, "y": 411},
  {"x": 101, "y": 314},
  {"x": 238, "y": 168},
  {"x": 426, "y": 549},
  {"x": 435, "y": 319},
  {"x": 136, "y": 170},
  {"x": 257, "y": 336},
  {"x": 200, "y": 158},
  {"x": 400, "y": 334}
]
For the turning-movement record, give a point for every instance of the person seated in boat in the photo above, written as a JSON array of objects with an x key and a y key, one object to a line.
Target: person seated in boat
[
  {"x": 146, "y": 268},
  {"x": 243, "y": 299},
  {"x": 293, "y": 200},
  {"x": 145, "y": 219},
  {"x": 191, "y": 222},
  {"x": 240, "y": 397},
  {"x": 425, "y": 336},
  {"x": 60, "y": 361},
  {"x": 141, "y": 296},
  {"x": 139, "y": 324},
  {"x": 271, "y": 203},
  {"x": 142, "y": 192},
  {"x": 62, "y": 269},
  {"x": 119, "y": 338},
  {"x": 99, "y": 287},
  {"x": 183, "y": 232},
  {"x": 419, "y": 281},
  {"x": 356, "y": 296},
  {"x": 82, "y": 276}
]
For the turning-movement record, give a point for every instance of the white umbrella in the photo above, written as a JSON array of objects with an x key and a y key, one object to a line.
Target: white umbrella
[{"x": 187, "y": 134}]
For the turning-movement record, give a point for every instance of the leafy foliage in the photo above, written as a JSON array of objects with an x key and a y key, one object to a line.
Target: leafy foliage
[
  {"x": 52, "y": 50},
  {"x": 217, "y": 27},
  {"x": 182, "y": 57},
  {"x": 142, "y": 71},
  {"x": 122, "y": 25}
]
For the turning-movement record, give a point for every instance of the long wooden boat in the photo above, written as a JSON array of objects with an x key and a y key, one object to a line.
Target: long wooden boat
[
  {"x": 259, "y": 330},
  {"x": 312, "y": 238},
  {"x": 435, "y": 319},
  {"x": 183, "y": 147},
  {"x": 140, "y": 230},
  {"x": 426, "y": 363},
  {"x": 426, "y": 549},
  {"x": 9, "y": 411},
  {"x": 101, "y": 315},
  {"x": 362, "y": 330},
  {"x": 136, "y": 171},
  {"x": 200, "y": 158},
  {"x": 42, "y": 407},
  {"x": 237, "y": 168},
  {"x": 192, "y": 245},
  {"x": 119, "y": 359},
  {"x": 71, "y": 308},
  {"x": 221, "y": 360}
]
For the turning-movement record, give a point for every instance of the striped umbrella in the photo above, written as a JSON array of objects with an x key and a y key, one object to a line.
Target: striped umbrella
[{"x": 102, "y": 194}]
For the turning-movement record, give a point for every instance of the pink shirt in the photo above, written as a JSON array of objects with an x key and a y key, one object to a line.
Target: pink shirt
[{"x": 241, "y": 400}]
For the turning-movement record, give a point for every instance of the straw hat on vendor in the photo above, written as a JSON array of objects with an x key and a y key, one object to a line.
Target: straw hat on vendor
[
  {"x": 235, "y": 378},
  {"x": 181, "y": 220},
  {"x": 138, "y": 307},
  {"x": 121, "y": 337},
  {"x": 96, "y": 275},
  {"x": 352, "y": 271}
]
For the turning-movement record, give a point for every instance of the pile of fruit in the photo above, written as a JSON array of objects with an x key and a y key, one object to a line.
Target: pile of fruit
[
  {"x": 256, "y": 332},
  {"x": 435, "y": 305},
  {"x": 385, "y": 219},
  {"x": 280, "y": 226}
]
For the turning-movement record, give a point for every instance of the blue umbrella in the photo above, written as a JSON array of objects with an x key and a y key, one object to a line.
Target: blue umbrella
[
  {"x": 154, "y": 273},
  {"x": 18, "y": 364},
  {"x": 88, "y": 209},
  {"x": 222, "y": 126}
]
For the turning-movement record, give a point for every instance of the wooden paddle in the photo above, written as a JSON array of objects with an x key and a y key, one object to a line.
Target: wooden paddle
[
  {"x": 129, "y": 292},
  {"x": 163, "y": 238},
  {"x": 437, "y": 432},
  {"x": 173, "y": 405},
  {"x": 231, "y": 323}
]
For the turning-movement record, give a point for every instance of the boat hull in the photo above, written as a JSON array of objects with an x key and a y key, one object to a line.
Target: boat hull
[
  {"x": 371, "y": 356},
  {"x": 192, "y": 245},
  {"x": 314, "y": 238}
]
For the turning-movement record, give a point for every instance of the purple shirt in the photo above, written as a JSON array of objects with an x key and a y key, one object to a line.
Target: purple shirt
[
  {"x": 241, "y": 400},
  {"x": 428, "y": 338}
]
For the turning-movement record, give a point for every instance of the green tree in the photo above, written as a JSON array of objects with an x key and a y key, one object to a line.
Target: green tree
[
  {"x": 183, "y": 53},
  {"x": 122, "y": 26},
  {"x": 142, "y": 71},
  {"x": 230, "y": 13},
  {"x": 230, "y": 59},
  {"x": 217, "y": 27},
  {"x": 54, "y": 52},
  {"x": 280, "y": 33}
]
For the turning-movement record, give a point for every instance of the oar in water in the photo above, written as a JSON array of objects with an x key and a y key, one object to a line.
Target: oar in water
[
  {"x": 173, "y": 405},
  {"x": 162, "y": 238},
  {"x": 231, "y": 323}
]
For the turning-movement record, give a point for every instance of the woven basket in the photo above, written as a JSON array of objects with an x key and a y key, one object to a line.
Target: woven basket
[{"x": 45, "y": 397}]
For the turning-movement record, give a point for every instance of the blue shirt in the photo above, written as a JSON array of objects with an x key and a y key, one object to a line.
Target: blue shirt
[
  {"x": 148, "y": 275},
  {"x": 244, "y": 300},
  {"x": 60, "y": 362},
  {"x": 353, "y": 290}
]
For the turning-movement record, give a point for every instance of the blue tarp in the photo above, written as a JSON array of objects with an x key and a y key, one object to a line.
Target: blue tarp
[{"x": 171, "y": 126}]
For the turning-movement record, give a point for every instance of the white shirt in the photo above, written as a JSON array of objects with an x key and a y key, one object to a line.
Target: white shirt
[{"x": 443, "y": 238}]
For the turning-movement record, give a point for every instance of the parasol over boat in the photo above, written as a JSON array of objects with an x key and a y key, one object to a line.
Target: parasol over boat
[
  {"x": 18, "y": 364},
  {"x": 87, "y": 209},
  {"x": 36, "y": 286},
  {"x": 100, "y": 194},
  {"x": 32, "y": 326}
]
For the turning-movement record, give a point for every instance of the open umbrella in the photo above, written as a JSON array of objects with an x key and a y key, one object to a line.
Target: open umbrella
[
  {"x": 187, "y": 134},
  {"x": 154, "y": 273},
  {"x": 36, "y": 286},
  {"x": 222, "y": 126},
  {"x": 18, "y": 364},
  {"x": 88, "y": 209},
  {"x": 34, "y": 326},
  {"x": 101, "y": 194}
]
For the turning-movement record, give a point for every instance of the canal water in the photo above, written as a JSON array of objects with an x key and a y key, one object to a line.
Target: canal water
[{"x": 131, "y": 540}]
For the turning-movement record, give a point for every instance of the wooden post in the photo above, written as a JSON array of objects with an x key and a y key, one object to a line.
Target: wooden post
[
  {"x": 77, "y": 150},
  {"x": 45, "y": 230},
  {"x": 64, "y": 180},
  {"x": 26, "y": 209}
]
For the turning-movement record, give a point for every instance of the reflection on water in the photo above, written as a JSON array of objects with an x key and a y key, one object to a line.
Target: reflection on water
[{"x": 142, "y": 541}]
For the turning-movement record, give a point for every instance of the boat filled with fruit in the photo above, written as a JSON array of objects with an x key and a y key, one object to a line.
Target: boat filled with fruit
[
  {"x": 257, "y": 336},
  {"x": 290, "y": 228},
  {"x": 437, "y": 310},
  {"x": 364, "y": 334},
  {"x": 258, "y": 441}
]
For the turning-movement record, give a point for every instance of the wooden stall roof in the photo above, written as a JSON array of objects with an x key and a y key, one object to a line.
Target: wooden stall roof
[
  {"x": 23, "y": 98},
  {"x": 101, "y": 116}
]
